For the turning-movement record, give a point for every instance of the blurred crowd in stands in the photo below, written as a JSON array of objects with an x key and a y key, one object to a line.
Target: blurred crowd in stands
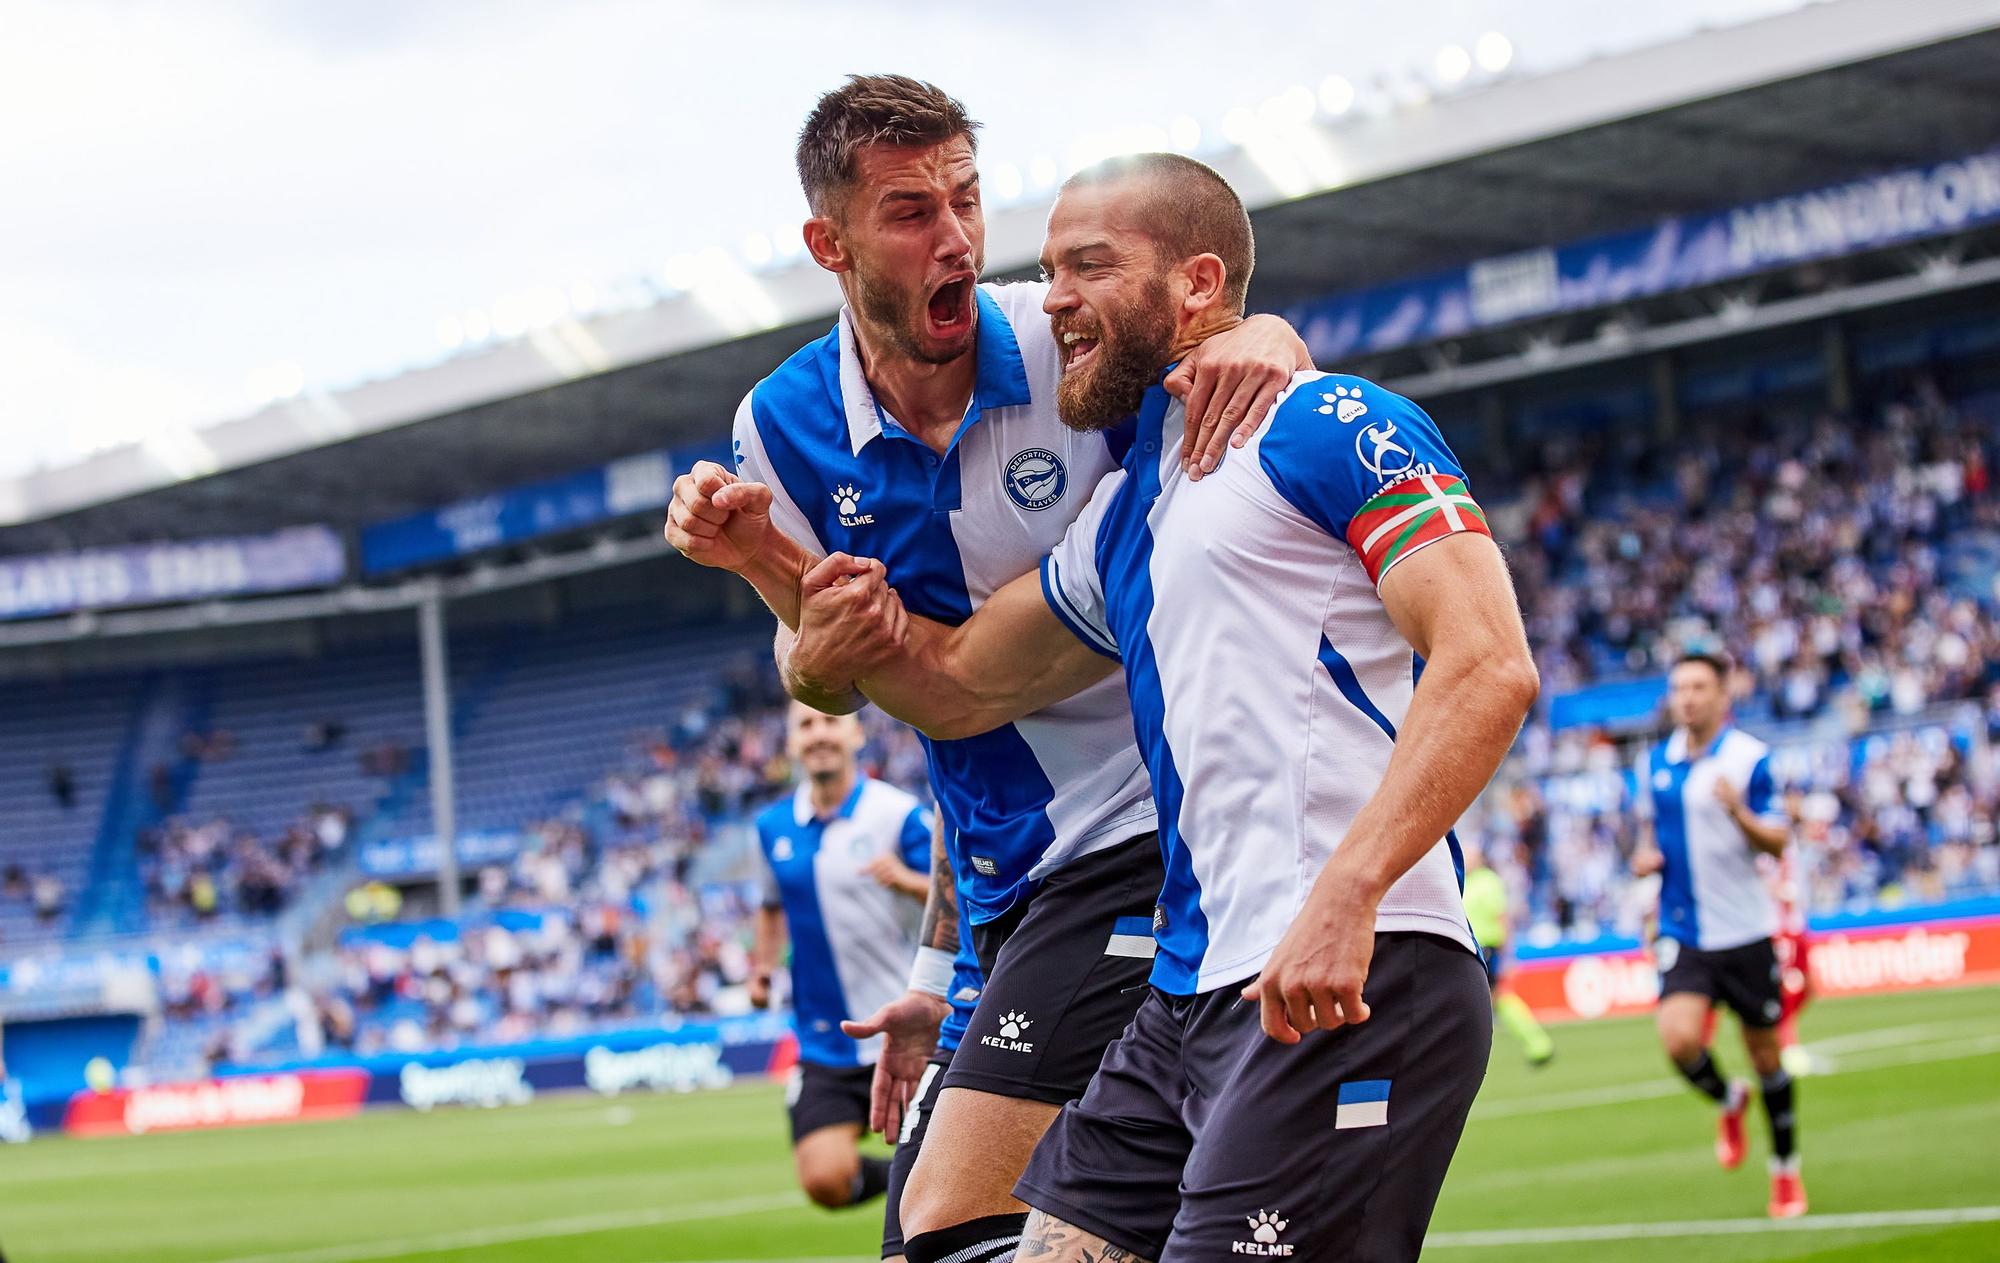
[
  {"x": 206, "y": 868},
  {"x": 632, "y": 903},
  {"x": 1815, "y": 551},
  {"x": 42, "y": 891},
  {"x": 1848, "y": 570}
]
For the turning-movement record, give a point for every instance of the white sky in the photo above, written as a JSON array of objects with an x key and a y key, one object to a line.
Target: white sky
[{"x": 201, "y": 199}]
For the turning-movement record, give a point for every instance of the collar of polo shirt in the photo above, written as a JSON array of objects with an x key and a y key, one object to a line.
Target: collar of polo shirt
[{"x": 1000, "y": 381}]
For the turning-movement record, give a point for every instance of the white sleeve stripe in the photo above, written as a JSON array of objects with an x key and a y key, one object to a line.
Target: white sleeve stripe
[
  {"x": 1099, "y": 637},
  {"x": 1067, "y": 607}
]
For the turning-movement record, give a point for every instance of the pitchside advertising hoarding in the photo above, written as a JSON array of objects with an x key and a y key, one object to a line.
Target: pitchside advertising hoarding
[
  {"x": 1848, "y": 956},
  {"x": 1954, "y": 945},
  {"x": 655, "y": 1059}
]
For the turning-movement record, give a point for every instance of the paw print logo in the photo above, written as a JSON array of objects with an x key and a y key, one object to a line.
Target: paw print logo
[
  {"x": 1012, "y": 1024},
  {"x": 1343, "y": 402},
  {"x": 847, "y": 498},
  {"x": 1265, "y": 1226}
]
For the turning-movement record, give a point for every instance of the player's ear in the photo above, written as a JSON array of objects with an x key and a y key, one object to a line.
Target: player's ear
[
  {"x": 824, "y": 241},
  {"x": 1204, "y": 275}
]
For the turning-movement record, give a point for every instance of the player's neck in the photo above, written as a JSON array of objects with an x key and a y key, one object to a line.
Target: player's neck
[
  {"x": 1202, "y": 328},
  {"x": 928, "y": 400},
  {"x": 1700, "y": 739},
  {"x": 829, "y": 792}
]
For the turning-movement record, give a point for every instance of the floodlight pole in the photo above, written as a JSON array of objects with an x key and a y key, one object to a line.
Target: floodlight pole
[{"x": 437, "y": 729}]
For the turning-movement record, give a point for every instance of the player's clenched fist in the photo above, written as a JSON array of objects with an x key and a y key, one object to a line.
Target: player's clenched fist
[
  {"x": 717, "y": 519},
  {"x": 850, "y": 620}
]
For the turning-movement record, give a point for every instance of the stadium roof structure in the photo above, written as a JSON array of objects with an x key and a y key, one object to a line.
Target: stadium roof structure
[{"x": 1826, "y": 93}]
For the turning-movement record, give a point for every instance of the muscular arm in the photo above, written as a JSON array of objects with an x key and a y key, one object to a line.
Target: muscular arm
[
  {"x": 801, "y": 686},
  {"x": 1454, "y": 603},
  {"x": 1010, "y": 659}
]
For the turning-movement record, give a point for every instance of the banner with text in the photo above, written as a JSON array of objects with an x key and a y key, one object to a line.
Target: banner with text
[
  {"x": 632, "y": 485},
  {"x": 1677, "y": 253},
  {"x": 158, "y": 574},
  {"x": 1850, "y": 961}
]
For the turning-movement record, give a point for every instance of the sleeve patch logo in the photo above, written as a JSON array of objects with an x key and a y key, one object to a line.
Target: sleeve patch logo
[
  {"x": 1406, "y": 515},
  {"x": 1379, "y": 451}
]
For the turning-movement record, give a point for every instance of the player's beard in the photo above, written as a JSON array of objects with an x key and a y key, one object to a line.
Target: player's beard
[{"x": 1135, "y": 340}]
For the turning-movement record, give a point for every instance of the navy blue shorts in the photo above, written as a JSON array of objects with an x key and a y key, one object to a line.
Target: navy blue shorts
[
  {"x": 1066, "y": 967},
  {"x": 1201, "y": 1137},
  {"x": 1745, "y": 978},
  {"x": 819, "y": 1096}
]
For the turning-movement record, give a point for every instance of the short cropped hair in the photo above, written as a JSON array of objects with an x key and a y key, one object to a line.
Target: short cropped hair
[
  {"x": 1187, "y": 209},
  {"x": 1714, "y": 659},
  {"x": 871, "y": 110}
]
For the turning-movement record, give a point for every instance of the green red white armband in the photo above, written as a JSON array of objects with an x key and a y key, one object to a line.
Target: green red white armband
[
  {"x": 1406, "y": 515},
  {"x": 931, "y": 972}
]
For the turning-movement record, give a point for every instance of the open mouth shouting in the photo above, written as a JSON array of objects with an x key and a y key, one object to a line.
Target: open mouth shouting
[
  {"x": 1078, "y": 349},
  {"x": 949, "y": 311}
]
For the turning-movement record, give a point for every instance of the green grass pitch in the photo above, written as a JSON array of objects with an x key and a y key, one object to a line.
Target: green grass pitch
[{"x": 1601, "y": 1156}]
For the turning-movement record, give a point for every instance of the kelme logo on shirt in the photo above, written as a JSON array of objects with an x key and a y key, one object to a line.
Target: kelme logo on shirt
[
  {"x": 1265, "y": 1226},
  {"x": 1012, "y": 1025},
  {"x": 847, "y": 499},
  {"x": 1343, "y": 403},
  {"x": 1036, "y": 478},
  {"x": 984, "y": 866}
]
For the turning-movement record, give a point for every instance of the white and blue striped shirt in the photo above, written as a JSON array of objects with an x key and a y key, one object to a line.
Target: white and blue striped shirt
[
  {"x": 852, "y": 937},
  {"x": 1266, "y": 678},
  {"x": 952, "y": 529},
  {"x": 1711, "y": 895}
]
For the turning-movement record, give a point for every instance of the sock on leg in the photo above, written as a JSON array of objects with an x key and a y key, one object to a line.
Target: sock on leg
[
  {"x": 1701, "y": 1072},
  {"x": 990, "y": 1239},
  {"x": 1778, "y": 1108},
  {"x": 871, "y": 1181}
]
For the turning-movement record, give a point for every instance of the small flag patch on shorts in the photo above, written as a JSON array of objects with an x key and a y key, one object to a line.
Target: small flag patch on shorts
[
  {"x": 1363, "y": 1103},
  {"x": 1132, "y": 936}
]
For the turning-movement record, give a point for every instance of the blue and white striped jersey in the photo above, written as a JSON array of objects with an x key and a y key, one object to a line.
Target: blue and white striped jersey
[
  {"x": 952, "y": 529},
  {"x": 852, "y": 937},
  {"x": 1266, "y": 678},
  {"x": 1711, "y": 895}
]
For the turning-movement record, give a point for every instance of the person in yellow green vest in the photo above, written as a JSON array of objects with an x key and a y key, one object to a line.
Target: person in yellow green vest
[{"x": 1486, "y": 910}]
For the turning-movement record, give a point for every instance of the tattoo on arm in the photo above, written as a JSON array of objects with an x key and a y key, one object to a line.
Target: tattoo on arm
[
  {"x": 1046, "y": 1237},
  {"x": 940, "y": 926}
]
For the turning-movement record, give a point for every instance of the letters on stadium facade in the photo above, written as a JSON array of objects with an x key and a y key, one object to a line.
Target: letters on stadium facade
[{"x": 1681, "y": 252}]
